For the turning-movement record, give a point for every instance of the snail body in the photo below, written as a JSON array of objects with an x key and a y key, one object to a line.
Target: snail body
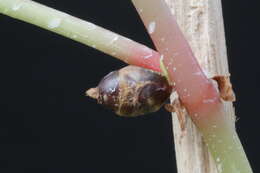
[{"x": 132, "y": 91}]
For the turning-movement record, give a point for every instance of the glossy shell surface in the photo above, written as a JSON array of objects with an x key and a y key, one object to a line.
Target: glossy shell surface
[{"x": 133, "y": 91}]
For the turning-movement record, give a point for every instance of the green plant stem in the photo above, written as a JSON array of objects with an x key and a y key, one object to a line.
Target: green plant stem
[
  {"x": 196, "y": 91},
  {"x": 82, "y": 31}
]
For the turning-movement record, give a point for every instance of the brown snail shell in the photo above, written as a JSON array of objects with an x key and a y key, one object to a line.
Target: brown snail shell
[{"x": 132, "y": 91}]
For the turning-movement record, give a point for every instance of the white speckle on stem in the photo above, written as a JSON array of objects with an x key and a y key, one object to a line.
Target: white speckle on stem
[
  {"x": 162, "y": 39},
  {"x": 219, "y": 167},
  {"x": 198, "y": 73},
  {"x": 90, "y": 26},
  {"x": 74, "y": 36},
  {"x": 54, "y": 23},
  {"x": 148, "y": 56},
  {"x": 161, "y": 58},
  {"x": 16, "y": 6},
  {"x": 113, "y": 40},
  {"x": 208, "y": 100},
  {"x": 218, "y": 159},
  {"x": 147, "y": 52},
  {"x": 174, "y": 68},
  {"x": 151, "y": 27}
]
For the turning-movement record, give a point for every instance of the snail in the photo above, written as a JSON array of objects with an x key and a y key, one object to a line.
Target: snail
[{"x": 132, "y": 91}]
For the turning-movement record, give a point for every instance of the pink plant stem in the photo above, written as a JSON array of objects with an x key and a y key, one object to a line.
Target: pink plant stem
[
  {"x": 196, "y": 91},
  {"x": 193, "y": 87},
  {"x": 137, "y": 54}
]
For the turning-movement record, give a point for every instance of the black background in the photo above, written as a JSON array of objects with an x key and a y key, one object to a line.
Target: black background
[{"x": 48, "y": 125}]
